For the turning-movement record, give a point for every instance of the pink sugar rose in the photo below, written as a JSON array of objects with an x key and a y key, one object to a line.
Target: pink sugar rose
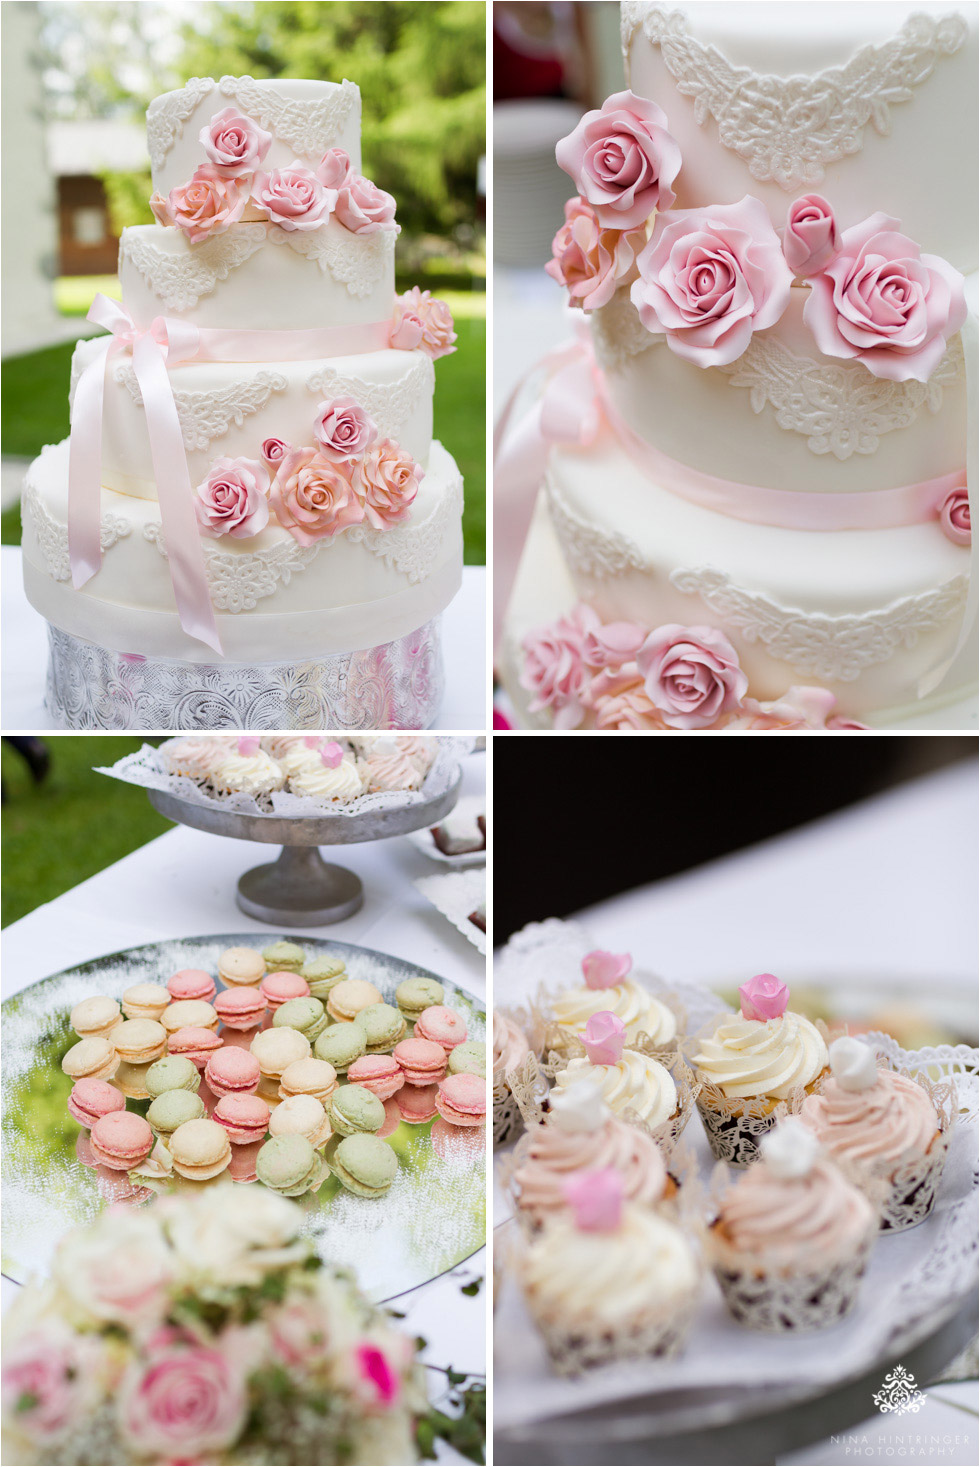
[
  {"x": 618, "y": 699},
  {"x": 763, "y": 997},
  {"x": 605, "y": 970},
  {"x": 691, "y": 675},
  {"x": 233, "y": 498},
  {"x": 811, "y": 237},
  {"x": 387, "y": 480},
  {"x": 182, "y": 1401},
  {"x": 611, "y": 643},
  {"x": 234, "y": 144},
  {"x": 604, "y": 1037},
  {"x": 273, "y": 449},
  {"x": 623, "y": 160},
  {"x": 883, "y": 302},
  {"x": 208, "y": 205},
  {"x": 954, "y": 516},
  {"x": 711, "y": 277},
  {"x": 333, "y": 169},
  {"x": 313, "y": 497},
  {"x": 380, "y": 1382},
  {"x": 363, "y": 208},
  {"x": 418, "y": 311},
  {"x": 556, "y": 670},
  {"x": 47, "y": 1375},
  {"x": 160, "y": 208},
  {"x": 596, "y": 1199},
  {"x": 292, "y": 197},
  {"x": 406, "y": 329},
  {"x": 590, "y": 261},
  {"x": 343, "y": 429},
  {"x": 798, "y": 707}
]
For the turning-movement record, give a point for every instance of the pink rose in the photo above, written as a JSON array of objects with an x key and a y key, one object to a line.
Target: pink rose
[
  {"x": 763, "y": 997},
  {"x": 343, "y": 429},
  {"x": 293, "y": 198},
  {"x": 797, "y": 708},
  {"x": 709, "y": 278},
  {"x": 882, "y": 301},
  {"x": 333, "y": 169},
  {"x": 623, "y": 160},
  {"x": 46, "y": 1377},
  {"x": 381, "y": 1383},
  {"x": 387, "y": 480},
  {"x": 590, "y": 261},
  {"x": 605, "y": 970},
  {"x": 596, "y": 1199},
  {"x": 207, "y": 205},
  {"x": 954, "y": 516},
  {"x": 691, "y": 674},
  {"x": 160, "y": 208},
  {"x": 556, "y": 671},
  {"x": 233, "y": 143},
  {"x": 619, "y": 699},
  {"x": 611, "y": 643},
  {"x": 182, "y": 1401},
  {"x": 313, "y": 497},
  {"x": 420, "y": 310},
  {"x": 604, "y": 1036},
  {"x": 811, "y": 237},
  {"x": 232, "y": 500},
  {"x": 273, "y": 449},
  {"x": 363, "y": 208},
  {"x": 331, "y": 754}
]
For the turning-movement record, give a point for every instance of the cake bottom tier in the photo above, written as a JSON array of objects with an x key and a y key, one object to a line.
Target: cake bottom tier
[{"x": 871, "y": 616}]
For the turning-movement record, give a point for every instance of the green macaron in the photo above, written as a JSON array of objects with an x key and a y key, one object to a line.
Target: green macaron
[
  {"x": 284, "y": 957},
  {"x": 289, "y": 1165},
  {"x": 416, "y": 994},
  {"x": 322, "y": 974},
  {"x": 353, "y": 1108},
  {"x": 172, "y": 1109},
  {"x": 469, "y": 1058},
  {"x": 303, "y": 1014},
  {"x": 172, "y": 1072},
  {"x": 364, "y": 1165},
  {"x": 341, "y": 1045},
  {"x": 382, "y": 1025}
]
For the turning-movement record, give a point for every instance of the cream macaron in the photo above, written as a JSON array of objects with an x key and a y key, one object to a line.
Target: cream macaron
[{"x": 241, "y": 967}]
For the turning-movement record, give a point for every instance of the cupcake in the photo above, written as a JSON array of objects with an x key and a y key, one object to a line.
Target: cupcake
[
  {"x": 634, "y": 1085},
  {"x": 512, "y": 1059},
  {"x": 755, "y": 1068},
  {"x": 609, "y": 1279},
  {"x": 793, "y": 1236},
  {"x": 195, "y": 758},
  {"x": 885, "y": 1125},
  {"x": 609, "y": 989},
  {"x": 391, "y": 770},
  {"x": 247, "y": 768},
  {"x": 328, "y": 774}
]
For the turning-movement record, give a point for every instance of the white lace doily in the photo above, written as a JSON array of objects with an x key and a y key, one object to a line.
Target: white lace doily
[{"x": 456, "y": 895}]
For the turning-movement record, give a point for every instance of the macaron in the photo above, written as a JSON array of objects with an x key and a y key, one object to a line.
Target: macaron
[
  {"x": 284, "y": 957},
  {"x": 172, "y": 1072},
  {"x": 303, "y": 1014},
  {"x": 416, "y": 994},
  {"x": 308, "y": 1077},
  {"x": 280, "y": 987},
  {"x": 232, "y": 1071},
  {"x": 91, "y": 1099},
  {"x": 139, "y": 1041},
  {"x": 469, "y": 1058},
  {"x": 379, "y": 1073},
  {"x": 364, "y": 1165},
  {"x": 462, "y": 1100},
  {"x": 245, "y": 1118},
  {"x": 191, "y": 983},
  {"x": 95, "y": 1018},
  {"x": 417, "y": 1103},
  {"x": 289, "y": 1165},
  {"x": 173, "y": 1108},
  {"x": 121, "y": 1140},
  {"x": 383, "y": 1027},
  {"x": 241, "y": 966},
  {"x": 423, "y": 1062},
  {"x": 198, "y": 1044},
  {"x": 302, "y": 1115},
  {"x": 145, "y": 1001},
  {"x": 323, "y": 974},
  {"x": 92, "y": 1059},
  {"x": 278, "y": 1047},
  {"x": 353, "y": 1108},
  {"x": 190, "y": 1013},
  {"x": 131, "y": 1080},
  {"x": 241, "y": 1168},
  {"x": 241, "y": 1008},
  {"x": 443, "y": 1026},
  {"x": 200, "y": 1150},
  {"x": 349, "y": 996},
  {"x": 340, "y": 1045}
]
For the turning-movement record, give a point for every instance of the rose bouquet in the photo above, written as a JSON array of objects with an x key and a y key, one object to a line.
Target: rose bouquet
[{"x": 198, "y": 1331}]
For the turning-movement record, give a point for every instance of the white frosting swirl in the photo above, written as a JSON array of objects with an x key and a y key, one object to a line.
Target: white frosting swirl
[
  {"x": 194, "y": 757},
  {"x": 637, "y": 1083},
  {"x": 638, "y": 1009},
  {"x": 319, "y": 780},
  {"x": 747, "y": 1057},
  {"x": 253, "y": 774}
]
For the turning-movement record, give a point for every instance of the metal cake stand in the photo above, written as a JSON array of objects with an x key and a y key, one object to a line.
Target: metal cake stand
[{"x": 300, "y": 888}]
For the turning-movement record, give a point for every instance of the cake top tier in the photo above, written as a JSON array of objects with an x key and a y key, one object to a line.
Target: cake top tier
[{"x": 305, "y": 119}]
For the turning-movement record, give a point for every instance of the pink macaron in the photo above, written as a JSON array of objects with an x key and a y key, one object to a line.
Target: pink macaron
[
  {"x": 441, "y": 1025},
  {"x": 241, "y": 1008},
  {"x": 241, "y": 1168},
  {"x": 233, "y": 1071},
  {"x": 197, "y": 1044},
  {"x": 121, "y": 1140},
  {"x": 278, "y": 988},
  {"x": 244, "y": 1117},
  {"x": 462, "y": 1100},
  {"x": 417, "y": 1103},
  {"x": 191, "y": 983},
  {"x": 422, "y": 1061},
  {"x": 379, "y": 1073},
  {"x": 91, "y": 1099}
]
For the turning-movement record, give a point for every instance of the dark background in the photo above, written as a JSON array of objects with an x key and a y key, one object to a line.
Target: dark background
[{"x": 580, "y": 819}]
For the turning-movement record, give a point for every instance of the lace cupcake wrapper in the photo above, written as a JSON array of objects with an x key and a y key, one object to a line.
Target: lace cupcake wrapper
[{"x": 788, "y": 1303}]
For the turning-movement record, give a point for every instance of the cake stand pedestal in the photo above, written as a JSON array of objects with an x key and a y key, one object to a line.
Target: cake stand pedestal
[{"x": 299, "y": 888}]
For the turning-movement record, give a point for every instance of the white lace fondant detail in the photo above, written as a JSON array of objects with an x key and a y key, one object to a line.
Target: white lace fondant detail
[
  {"x": 52, "y": 538},
  {"x": 840, "y": 409},
  {"x": 618, "y": 334},
  {"x": 205, "y": 416},
  {"x": 412, "y": 549},
  {"x": 588, "y": 550},
  {"x": 356, "y": 261},
  {"x": 309, "y": 127},
  {"x": 832, "y": 648},
  {"x": 390, "y": 404},
  {"x": 789, "y": 129},
  {"x": 181, "y": 280},
  {"x": 240, "y": 582},
  {"x": 166, "y": 116}
]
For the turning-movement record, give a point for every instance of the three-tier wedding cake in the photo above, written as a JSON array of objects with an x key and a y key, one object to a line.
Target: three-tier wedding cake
[
  {"x": 753, "y": 459},
  {"x": 251, "y": 524}
]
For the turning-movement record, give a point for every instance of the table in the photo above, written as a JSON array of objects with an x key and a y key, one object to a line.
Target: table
[
  {"x": 25, "y": 653},
  {"x": 183, "y": 884}
]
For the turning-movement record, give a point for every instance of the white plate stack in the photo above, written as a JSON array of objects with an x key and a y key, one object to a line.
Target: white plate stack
[{"x": 529, "y": 189}]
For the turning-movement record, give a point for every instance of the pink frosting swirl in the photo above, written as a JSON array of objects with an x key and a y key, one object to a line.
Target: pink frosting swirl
[
  {"x": 954, "y": 516},
  {"x": 795, "y": 1223},
  {"x": 552, "y": 1154},
  {"x": 590, "y": 261},
  {"x": 623, "y": 160},
  {"x": 891, "y": 1119},
  {"x": 234, "y": 144},
  {"x": 510, "y": 1046}
]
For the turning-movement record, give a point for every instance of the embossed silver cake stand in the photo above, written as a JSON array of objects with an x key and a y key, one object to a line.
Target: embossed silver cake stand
[{"x": 300, "y": 888}]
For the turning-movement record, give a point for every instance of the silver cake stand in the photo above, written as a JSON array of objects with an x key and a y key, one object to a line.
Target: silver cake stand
[{"x": 300, "y": 888}]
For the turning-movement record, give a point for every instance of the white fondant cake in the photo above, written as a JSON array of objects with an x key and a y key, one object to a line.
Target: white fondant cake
[{"x": 757, "y": 513}]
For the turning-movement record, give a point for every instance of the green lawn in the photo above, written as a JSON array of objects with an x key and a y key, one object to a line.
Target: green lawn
[{"x": 76, "y": 823}]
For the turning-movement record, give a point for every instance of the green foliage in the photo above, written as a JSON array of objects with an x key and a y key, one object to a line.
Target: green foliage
[
  {"x": 127, "y": 196},
  {"x": 463, "y": 1426},
  {"x": 35, "y": 399}
]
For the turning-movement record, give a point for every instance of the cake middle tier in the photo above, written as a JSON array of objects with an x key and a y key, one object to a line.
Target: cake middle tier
[{"x": 228, "y": 409}]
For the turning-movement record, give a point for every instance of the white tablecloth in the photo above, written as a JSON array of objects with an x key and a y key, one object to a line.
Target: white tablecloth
[
  {"x": 182, "y": 885},
  {"x": 25, "y": 653}
]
